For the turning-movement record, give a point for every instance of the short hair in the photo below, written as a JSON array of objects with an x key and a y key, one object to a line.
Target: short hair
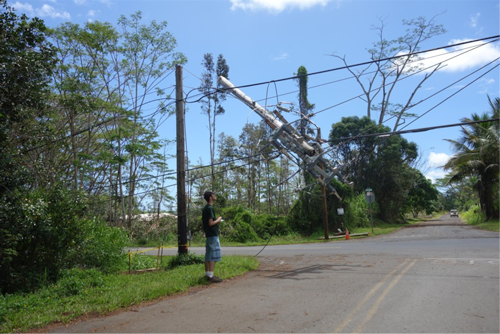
[{"x": 207, "y": 195}]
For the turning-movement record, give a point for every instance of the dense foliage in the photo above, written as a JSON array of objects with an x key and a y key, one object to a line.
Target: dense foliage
[
  {"x": 382, "y": 164},
  {"x": 477, "y": 155}
]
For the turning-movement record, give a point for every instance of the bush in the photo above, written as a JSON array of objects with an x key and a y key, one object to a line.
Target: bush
[
  {"x": 75, "y": 281},
  {"x": 357, "y": 214},
  {"x": 185, "y": 260},
  {"x": 473, "y": 215},
  {"x": 39, "y": 227},
  {"x": 267, "y": 225},
  {"x": 44, "y": 235},
  {"x": 306, "y": 216},
  {"x": 158, "y": 229},
  {"x": 101, "y": 246}
]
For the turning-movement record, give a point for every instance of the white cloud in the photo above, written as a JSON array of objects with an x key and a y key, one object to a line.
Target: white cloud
[
  {"x": 50, "y": 11},
  {"x": 282, "y": 56},
  {"x": 80, "y": 2},
  {"x": 108, "y": 3},
  {"x": 437, "y": 159},
  {"x": 93, "y": 13},
  {"x": 276, "y": 6},
  {"x": 435, "y": 174},
  {"x": 460, "y": 58},
  {"x": 25, "y": 8},
  {"x": 474, "y": 19}
]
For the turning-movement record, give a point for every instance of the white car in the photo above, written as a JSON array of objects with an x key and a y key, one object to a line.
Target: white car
[{"x": 454, "y": 213}]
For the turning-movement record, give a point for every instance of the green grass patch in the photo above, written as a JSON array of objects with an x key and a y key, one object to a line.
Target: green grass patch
[
  {"x": 81, "y": 292},
  {"x": 491, "y": 225}
]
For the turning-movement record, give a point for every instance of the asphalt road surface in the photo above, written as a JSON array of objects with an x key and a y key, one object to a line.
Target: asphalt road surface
[{"x": 439, "y": 277}]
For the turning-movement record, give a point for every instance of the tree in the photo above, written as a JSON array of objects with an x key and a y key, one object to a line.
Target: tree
[
  {"x": 250, "y": 138},
  {"x": 26, "y": 62},
  {"x": 383, "y": 164},
  {"x": 211, "y": 105},
  {"x": 304, "y": 105},
  {"x": 379, "y": 85},
  {"x": 422, "y": 195},
  {"x": 103, "y": 87},
  {"x": 477, "y": 154},
  {"x": 461, "y": 194}
]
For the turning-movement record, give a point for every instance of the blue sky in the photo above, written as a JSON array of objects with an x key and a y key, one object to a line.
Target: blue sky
[{"x": 266, "y": 40}]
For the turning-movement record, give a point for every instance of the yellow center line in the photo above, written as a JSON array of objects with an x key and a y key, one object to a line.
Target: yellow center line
[
  {"x": 380, "y": 299},
  {"x": 351, "y": 315}
]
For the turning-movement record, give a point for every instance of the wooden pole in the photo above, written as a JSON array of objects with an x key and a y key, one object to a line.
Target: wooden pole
[
  {"x": 181, "y": 165},
  {"x": 323, "y": 192},
  {"x": 325, "y": 209},
  {"x": 158, "y": 257}
]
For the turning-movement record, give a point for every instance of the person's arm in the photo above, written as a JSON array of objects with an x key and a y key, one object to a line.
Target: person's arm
[{"x": 212, "y": 222}]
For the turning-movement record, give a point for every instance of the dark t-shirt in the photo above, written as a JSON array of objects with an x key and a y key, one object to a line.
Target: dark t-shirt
[{"x": 209, "y": 212}]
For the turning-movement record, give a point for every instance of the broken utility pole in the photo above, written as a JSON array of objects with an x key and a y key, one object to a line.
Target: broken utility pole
[{"x": 287, "y": 140}]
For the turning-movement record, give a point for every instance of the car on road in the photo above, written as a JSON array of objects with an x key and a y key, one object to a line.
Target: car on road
[{"x": 453, "y": 213}]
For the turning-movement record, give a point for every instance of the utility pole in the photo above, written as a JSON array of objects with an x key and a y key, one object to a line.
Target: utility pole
[
  {"x": 287, "y": 140},
  {"x": 181, "y": 164},
  {"x": 323, "y": 192}
]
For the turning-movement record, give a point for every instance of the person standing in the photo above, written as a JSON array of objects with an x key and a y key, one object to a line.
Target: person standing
[{"x": 211, "y": 228}]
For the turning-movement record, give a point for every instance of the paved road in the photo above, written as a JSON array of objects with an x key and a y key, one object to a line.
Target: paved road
[{"x": 441, "y": 276}]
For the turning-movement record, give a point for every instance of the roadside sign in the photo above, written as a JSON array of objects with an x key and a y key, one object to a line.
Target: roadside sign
[{"x": 370, "y": 197}]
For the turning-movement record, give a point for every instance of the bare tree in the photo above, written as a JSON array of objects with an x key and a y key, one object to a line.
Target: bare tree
[{"x": 394, "y": 60}]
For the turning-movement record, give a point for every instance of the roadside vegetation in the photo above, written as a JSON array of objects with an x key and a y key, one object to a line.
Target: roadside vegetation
[
  {"x": 80, "y": 292},
  {"x": 82, "y": 163},
  {"x": 475, "y": 217}
]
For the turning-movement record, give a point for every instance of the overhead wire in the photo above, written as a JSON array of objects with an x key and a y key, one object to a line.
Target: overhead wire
[
  {"x": 200, "y": 177},
  {"x": 458, "y": 91},
  {"x": 356, "y": 65}
]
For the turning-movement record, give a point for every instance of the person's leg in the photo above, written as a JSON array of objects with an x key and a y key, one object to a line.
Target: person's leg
[
  {"x": 207, "y": 258},
  {"x": 211, "y": 266}
]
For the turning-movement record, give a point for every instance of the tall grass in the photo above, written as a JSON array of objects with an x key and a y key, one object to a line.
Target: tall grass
[{"x": 475, "y": 217}]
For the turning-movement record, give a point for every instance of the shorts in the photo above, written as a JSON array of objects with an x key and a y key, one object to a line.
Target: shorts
[{"x": 212, "y": 247}]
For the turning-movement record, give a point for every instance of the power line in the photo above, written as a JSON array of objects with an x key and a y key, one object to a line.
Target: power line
[
  {"x": 388, "y": 134},
  {"x": 200, "y": 177},
  {"x": 470, "y": 83},
  {"x": 356, "y": 65}
]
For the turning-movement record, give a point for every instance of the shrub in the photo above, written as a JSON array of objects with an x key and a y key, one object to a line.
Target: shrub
[
  {"x": 185, "y": 260},
  {"x": 267, "y": 225},
  {"x": 473, "y": 215},
  {"x": 357, "y": 214},
  {"x": 101, "y": 246},
  {"x": 75, "y": 281},
  {"x": 40, "y": 228},
  {"x": 157, "y": 229},
  {"x": 242, "y": 229},
  {"x": 45, "y": 235}
]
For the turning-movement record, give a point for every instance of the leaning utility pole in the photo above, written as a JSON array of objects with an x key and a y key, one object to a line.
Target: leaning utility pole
[
  {"x": 181, "y": 164},
  {"x": 287, "y": 140}
]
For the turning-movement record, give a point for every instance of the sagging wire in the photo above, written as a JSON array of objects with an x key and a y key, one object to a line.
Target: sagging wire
[{"x": 276, "y": 225}]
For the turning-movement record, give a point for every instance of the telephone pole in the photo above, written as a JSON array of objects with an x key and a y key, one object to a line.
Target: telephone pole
[{"x": 181, "y": 164}]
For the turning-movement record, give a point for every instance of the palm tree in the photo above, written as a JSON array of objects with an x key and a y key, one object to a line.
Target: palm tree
[{"x": 477, "y": 154}]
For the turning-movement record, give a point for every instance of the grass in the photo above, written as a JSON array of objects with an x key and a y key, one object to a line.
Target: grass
[
  {"x": 53, "y": 304},
  {"x": 490, "y": 225}
]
